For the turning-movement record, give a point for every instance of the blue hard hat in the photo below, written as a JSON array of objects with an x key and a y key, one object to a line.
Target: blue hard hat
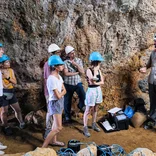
[
  {"x": 54, "y": 60},
  {"x": 4, "y": 58},
  {"x": 1, "y": 45},
  {"x": 95, "y": 56}
]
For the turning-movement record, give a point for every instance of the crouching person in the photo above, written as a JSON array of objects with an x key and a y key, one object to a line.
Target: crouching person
[
  {"x": 56, "y": 92},
  {"x": 9, "y": 80}
]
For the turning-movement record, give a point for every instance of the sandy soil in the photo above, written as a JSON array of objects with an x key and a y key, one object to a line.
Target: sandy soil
[{"x": 28, "y": 139}]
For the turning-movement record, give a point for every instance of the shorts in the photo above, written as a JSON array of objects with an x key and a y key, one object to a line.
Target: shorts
[
  {"x": 56, "y": 106},
  {"x": 13, "y": 100},
  {"x": 1, "y": 101},
  {"x": 93, "y": 96}
]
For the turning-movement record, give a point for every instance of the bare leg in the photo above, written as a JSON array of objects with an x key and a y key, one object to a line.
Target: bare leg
[
  {"x": 94, "y": 125},
  {"x": 4, "y": 113},
  {"x": 49, "y": 137},
  {"x": 18, "y": 113},
  {"x": 85, "y": 117},
  {"x": 58, "y": 122},
  {"x": 54, "y": 126},
  {"x": 95, "y": 109},
  {"x": 85, "y": 121}
]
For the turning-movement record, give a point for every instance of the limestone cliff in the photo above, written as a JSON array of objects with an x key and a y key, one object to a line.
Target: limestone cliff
[{"x": 121, "y": 30}]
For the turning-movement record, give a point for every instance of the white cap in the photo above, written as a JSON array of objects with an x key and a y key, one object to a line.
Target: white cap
[
  {"x": 53, "y": 47},
  {"x": 68, "y": 49}
]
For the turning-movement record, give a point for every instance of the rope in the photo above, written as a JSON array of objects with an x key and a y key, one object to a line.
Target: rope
[
  {"x": 90, "y": 151},
  {"x": 113, "y": 150},
  {"x": 117, "y": 149},
  {"x": 106, "y": 150},
  {"x": 68, "y": 151}
]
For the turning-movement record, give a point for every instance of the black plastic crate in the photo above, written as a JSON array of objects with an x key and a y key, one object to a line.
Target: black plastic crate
[{"x": 121, "y": 121}]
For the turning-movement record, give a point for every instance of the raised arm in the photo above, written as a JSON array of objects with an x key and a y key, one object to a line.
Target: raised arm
[
  {"x": 78, "y": 66},
  {"x": 67, "y": 73}
]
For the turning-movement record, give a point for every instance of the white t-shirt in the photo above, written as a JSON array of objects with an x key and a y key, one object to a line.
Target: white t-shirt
[
  {"x": 54, "y": 83},
  {"x": 1, "y": 84}
]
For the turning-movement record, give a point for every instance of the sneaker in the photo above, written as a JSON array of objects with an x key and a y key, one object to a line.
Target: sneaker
[
  {"x": 1, "y": 152},
  {"x": 85, "y": 131},
  {"x": 2, "y": 147},
  {"x": 7, "y": 131},
  {"x": 95, "y": 127},
  {"x": 22, "y": 125}
]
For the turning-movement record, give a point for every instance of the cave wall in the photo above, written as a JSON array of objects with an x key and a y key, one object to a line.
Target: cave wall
[{"x": 121, "y": 30}]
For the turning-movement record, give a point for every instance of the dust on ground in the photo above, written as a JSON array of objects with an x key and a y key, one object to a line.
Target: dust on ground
[{"x": 28, "y": 139}]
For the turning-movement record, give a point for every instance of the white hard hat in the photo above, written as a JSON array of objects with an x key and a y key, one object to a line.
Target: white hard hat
[
  {"x": 53, "y": 47},
  {"x": 68, "y": 49},
  {"x": 154, "y": 37}
]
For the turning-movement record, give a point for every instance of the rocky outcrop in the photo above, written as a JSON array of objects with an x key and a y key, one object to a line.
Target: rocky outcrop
[{"x": 121, "y": 30}]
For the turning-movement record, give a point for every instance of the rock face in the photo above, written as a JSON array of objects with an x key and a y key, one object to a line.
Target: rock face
[{"x": 121, "y": 30}]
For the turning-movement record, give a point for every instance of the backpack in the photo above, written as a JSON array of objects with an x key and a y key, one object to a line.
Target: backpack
[{"x": 139, "y": 106}]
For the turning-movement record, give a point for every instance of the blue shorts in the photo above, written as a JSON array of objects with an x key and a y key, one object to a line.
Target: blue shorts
[
  {"x": 56, "y": 106},
  {"x": 93, "y": 96}
]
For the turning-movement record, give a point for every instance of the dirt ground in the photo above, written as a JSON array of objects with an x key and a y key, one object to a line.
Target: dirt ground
[{"x": 28, "y": 139}]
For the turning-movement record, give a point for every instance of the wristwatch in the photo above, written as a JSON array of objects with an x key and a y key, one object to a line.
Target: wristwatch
[{"x": 8, "y": 78}]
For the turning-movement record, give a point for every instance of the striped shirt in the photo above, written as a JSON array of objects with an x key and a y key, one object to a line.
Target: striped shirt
[{"x": 72, "y": 80}]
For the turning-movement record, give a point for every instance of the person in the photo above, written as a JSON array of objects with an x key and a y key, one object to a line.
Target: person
[
  {"x": 1, "y": 82},
  {"x": 94, "y": 93},
  {"x": 72, "y": 80},
  {"x": 2, "y": 147},
  {"x": 152, "y": 78},
  {"x": 9, "y": 98},
  {"x": 56, "y": 91},
  {"x": 54, "y": 50}
]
